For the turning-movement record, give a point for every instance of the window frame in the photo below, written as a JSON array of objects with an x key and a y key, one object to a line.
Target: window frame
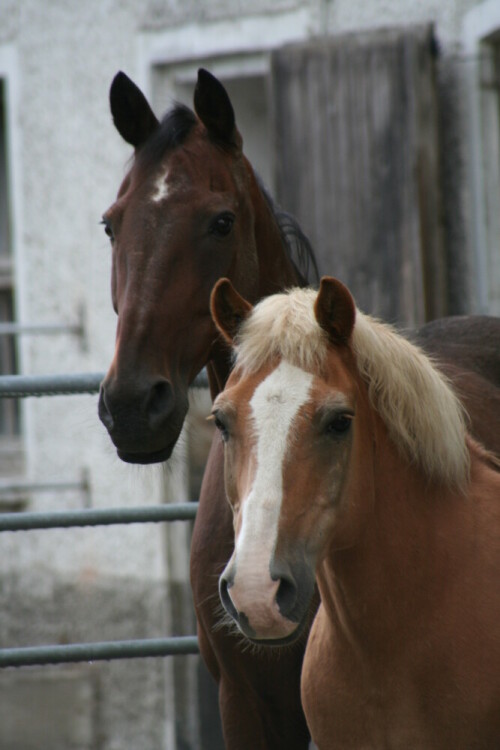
[
  {"x": 481, "y": 29},
  {"x": 12, "y": 456}
]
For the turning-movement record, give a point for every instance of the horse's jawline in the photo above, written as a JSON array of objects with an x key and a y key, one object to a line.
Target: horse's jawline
[{"x": 155, "y": 457}]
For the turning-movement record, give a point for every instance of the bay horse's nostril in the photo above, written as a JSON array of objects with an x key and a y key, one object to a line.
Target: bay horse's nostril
[
  {"x": 142, "y": 414},
  {"x": 103, "y": 411},
  {"x": 149, "y": 404},
  {"x": 160, "y": 399}
]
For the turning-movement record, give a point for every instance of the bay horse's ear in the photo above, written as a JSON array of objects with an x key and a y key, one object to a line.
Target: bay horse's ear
[
  {"x": 335, "y": 310},
  {"x": 214, "y": 108},
  {"x": 229, "y": 309},
  {"x": 133, "y": 117}
]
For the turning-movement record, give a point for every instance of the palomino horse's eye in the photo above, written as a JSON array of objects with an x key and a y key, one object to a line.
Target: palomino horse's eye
[
  {"x": 224, "y": 432},
  {"x": 108, "y": 229},
  {"x": 339, "y": 425},
  {"x": 222, "y": 224}
]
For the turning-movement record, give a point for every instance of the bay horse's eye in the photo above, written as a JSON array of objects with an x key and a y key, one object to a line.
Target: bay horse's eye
[
  {"x": 339, "y": 425},
  {"x": 222, "y": 224},
  {"x": 108, "y": 229}
]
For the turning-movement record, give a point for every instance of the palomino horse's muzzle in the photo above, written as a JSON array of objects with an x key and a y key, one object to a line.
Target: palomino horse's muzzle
[{"x": 273, "y": 609}]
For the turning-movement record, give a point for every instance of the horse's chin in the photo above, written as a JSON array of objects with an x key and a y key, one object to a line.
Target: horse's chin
[
  {"x": 151, "y": 457},
  {"x": 277, "y": 642},
  {"x": 287, "y": 640}
]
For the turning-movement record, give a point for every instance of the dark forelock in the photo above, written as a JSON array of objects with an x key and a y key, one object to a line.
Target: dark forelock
[{"x": 173, "y": 130}]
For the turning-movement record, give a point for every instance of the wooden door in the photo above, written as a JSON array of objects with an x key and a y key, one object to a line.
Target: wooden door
[{"x": 356, "y": 143}]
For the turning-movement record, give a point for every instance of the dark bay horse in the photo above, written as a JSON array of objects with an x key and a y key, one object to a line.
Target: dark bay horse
[
  {"x": 348, "y": 463},
  {"x": 189, "y": 211}
]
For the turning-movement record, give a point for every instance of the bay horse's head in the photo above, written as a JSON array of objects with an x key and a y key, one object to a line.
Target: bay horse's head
[
  {"x": 185, "y": 215},
  {"x": 317, "y": 392}
]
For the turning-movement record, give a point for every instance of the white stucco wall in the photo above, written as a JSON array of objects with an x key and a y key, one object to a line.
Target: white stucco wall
[
  {"x": 79, "y": 585},
  {"x": 71, "y": 164}
]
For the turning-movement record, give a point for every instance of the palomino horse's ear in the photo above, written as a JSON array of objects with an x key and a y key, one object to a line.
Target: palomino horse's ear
[
  {"x": 335, "y": 310},
  {"x": 229, "y": 309},
  {"x": 133, "y": 117},
  {"x": 214, "y": 108}
]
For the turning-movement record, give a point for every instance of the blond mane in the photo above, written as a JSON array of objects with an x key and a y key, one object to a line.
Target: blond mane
[
  {"x": 282, "y": 325},
  {"x": 416, "y": 402}
]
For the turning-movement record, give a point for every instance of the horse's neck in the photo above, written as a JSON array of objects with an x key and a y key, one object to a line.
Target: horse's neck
[
  {"x": 403, "y": 559},
  {"x": 276, "y": 272},
  {"x": 218, "y": 369}
]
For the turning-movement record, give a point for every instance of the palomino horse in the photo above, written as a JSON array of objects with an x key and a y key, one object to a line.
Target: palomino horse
[
  {"x": 188, "y": 212},
  {"x": 347, "y": 461}
]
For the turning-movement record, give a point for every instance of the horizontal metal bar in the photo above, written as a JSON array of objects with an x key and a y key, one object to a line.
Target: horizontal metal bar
[
  {"x": 10, "y": 487},
  {"x": 17, "y": 329},
  {"x": 21, "y": 386},
  {"x": 97, "y": 517},
  {"x": 104, "y": 651},
  {"x": 16, "y": 386}
]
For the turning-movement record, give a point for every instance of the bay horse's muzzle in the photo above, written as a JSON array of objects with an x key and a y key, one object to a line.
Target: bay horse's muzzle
[{"x": 143, "y": 419}]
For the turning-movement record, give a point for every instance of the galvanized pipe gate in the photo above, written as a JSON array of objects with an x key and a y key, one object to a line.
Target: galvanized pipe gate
[{"x": 17, "y": 386}]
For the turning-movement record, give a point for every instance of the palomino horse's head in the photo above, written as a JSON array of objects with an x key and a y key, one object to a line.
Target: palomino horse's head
[
  {"x": 184, "y": 217},
  {"x": 286, "y": 418},
  {"x": 315, "y": 386}
]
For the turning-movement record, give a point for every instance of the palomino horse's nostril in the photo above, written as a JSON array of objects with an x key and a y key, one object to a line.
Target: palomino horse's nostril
[
  {"x": 286, "y": 597},
  {"x": 225, "y": 583}
]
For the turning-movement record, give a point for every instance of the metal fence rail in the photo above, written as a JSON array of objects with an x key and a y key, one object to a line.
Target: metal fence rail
[
  {"x": 106, "y": 651},
  {"x": 16, "y": 386},
  {"x": 22, "y": 386},
  {"x": 63, "y": 519}
]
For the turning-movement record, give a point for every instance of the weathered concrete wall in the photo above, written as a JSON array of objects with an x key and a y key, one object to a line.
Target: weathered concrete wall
[
  {"x": 71, "y": 586},
  {"x": 85, "y": 706}
]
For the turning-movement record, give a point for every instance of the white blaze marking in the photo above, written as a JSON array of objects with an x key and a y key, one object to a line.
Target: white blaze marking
[
  {"x": 161, "y": 188},
  {"x": 274, "y": 406}
]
